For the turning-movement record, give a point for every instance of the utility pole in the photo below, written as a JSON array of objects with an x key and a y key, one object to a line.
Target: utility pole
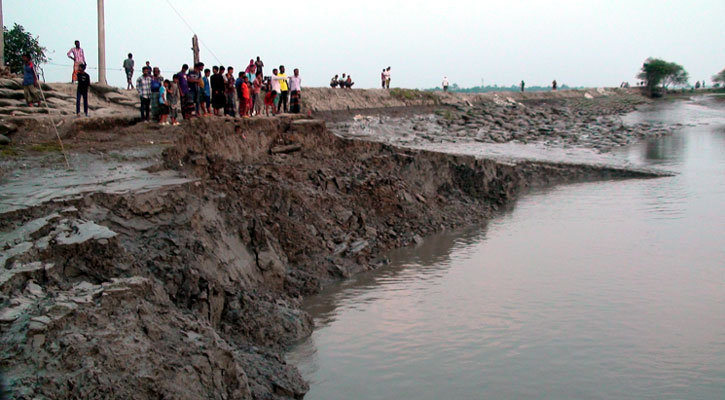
[
  {"x": 101, "y": 45},
  {"x": 2, "y": 36},
  {"x": 194, "y": 48}
]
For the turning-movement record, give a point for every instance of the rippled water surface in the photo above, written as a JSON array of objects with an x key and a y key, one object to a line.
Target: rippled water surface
[{"x": 607, "y": 290}]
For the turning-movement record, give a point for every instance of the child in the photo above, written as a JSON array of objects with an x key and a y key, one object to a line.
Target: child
[
  {"x": 206, "y": 101},
  {"x": 271, "y": 94},
  {"x": 244, "y": 108},
  {"x": 172, "y": 95},
  {"x": 84, "y": 81},
  {"x": 256, "y": 93},
  {"x": 164, "y": 103}
]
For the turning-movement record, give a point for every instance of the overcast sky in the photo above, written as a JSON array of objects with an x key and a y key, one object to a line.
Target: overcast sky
[{"x": 577, "y": 42}]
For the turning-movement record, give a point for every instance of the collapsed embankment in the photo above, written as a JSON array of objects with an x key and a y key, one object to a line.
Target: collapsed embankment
[{"x": 192, "y": 291}]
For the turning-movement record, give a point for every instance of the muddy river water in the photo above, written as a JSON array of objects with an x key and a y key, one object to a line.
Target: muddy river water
[{"x": 610, "y": 290}]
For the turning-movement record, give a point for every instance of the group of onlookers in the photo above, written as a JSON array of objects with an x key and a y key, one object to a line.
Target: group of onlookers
[
  {"x": 343, "y": 83},
  {"x": 217, "y": 91}
]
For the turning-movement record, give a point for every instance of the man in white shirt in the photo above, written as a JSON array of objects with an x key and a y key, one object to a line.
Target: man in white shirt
[
  {"x": 445, "y": 83},
  {"x": 295, "y": 87}
]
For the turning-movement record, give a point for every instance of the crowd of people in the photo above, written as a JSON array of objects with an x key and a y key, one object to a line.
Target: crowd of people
[
  {"x": 200, "y": 91},
  {"x": 191, "y": 92},
  {"x": 345, "y": 82}
]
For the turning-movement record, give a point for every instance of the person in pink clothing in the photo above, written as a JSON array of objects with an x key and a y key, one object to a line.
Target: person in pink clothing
[
  {"x": 251, "y": 70},
  {"x": 76, "y": 54}
]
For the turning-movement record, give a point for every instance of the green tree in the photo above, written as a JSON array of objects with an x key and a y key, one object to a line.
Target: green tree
[
  {"x": 19, "y": 42},
  {"x": 660, "y": 72},
  {"x": 719, "y": 77}
]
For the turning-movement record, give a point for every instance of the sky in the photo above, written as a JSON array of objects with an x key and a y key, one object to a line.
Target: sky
[{"x": 588, "y": 43}]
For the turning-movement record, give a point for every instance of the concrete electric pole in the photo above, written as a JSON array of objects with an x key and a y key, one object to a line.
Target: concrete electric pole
[
  {"x": 2, "y": 36},
  {"x": 194, "y": 48},
  {"x": 101, "y": 45}
]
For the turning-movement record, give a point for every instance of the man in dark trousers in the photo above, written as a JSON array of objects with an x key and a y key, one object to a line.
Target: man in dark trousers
[{"x": 84, "y": 82}]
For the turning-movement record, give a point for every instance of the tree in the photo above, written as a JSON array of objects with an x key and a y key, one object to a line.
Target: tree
[
  {"x": 719, "y": 77},
  {"x": 660, "y": 72},
  {"x": 19, "y": 42}
]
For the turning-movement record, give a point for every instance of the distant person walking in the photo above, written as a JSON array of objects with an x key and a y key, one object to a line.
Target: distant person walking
[
  {"x": 382, "y": 78},
  {"x": 295, "y": 86},
  {"x": 553, "y": 85},
  {"x": 143, "y": 87},
  {"x": 128, "y": 65},
  {"x": 30, "y": 82},
  {"x": 84, "y": 82},
  {"x": 76, "y": 54},
  {"x": 522, "y": 85},
  {"x": 387, "y": 78},
  {"x": 445, "y": 83}
]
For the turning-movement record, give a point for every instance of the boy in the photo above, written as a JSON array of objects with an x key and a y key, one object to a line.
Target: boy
[
  {"x": 164, "y": 103},
  {"x": 244, "y": 102},
  {"x": 206, "y": 101},
  {"x": 30, "y": 82},
  {"x": 84, "y": 81}
]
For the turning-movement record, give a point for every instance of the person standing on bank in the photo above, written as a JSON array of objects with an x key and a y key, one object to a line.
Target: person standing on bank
[
  {"x": 445, "y": 83},
  {"x": 30, "y": 82},
  {"x": 295, "y": 86},
  {"x": 84, "y": 82},
  {"x": 387, "y": 78},
  {"x": 260, "y": 66},
  {"x": 143, "y": 87},
  {"x": 128, "y": 67},
  {"x": 553, "y": 85},
  {"x": 76, "y": 54},
  {"x": 284, "y": 90},
  {"x": 522, "y": 85},
  {"x": 156, "y": 82},
  {"x": 218, "y": 97}
]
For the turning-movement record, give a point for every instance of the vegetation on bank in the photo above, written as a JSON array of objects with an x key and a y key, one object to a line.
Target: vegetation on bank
[
  {"x": 719, "y": 78},
  {"x": 496, "y": 88},
  {"x": 18, "y": 42},
  {"x": 659, "y": 74},
  {"x": 411, "y": 94}
]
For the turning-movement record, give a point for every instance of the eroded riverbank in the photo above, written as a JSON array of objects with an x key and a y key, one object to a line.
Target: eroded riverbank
[
  {"x": 192, "y": 288},
  {"x": 592, "y": 290}
]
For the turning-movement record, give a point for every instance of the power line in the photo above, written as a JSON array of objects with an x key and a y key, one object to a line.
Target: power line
[{"x": 192, "y": 31}]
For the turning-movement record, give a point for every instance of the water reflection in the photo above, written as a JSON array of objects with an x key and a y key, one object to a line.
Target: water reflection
[
  {"x": 424, "y": 262},
  {"x": 592, "y": 290}
]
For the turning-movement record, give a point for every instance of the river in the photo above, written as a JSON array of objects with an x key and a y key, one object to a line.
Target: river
[{"x": 604, "y": 290}]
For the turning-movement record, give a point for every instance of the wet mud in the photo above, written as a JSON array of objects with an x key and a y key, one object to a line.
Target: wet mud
[{"x": 183, "y": 276}]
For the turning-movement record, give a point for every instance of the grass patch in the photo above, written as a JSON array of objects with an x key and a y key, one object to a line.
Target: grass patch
[
  {"x": 47, "y": 147},
  {"x": 412, "y": 94},
  {"x": 9, "y": 151}
]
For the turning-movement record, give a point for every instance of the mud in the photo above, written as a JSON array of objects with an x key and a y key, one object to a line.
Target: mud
[
  {"x": 555, "y": 123},
  {"x": 190, "y": 287}
]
